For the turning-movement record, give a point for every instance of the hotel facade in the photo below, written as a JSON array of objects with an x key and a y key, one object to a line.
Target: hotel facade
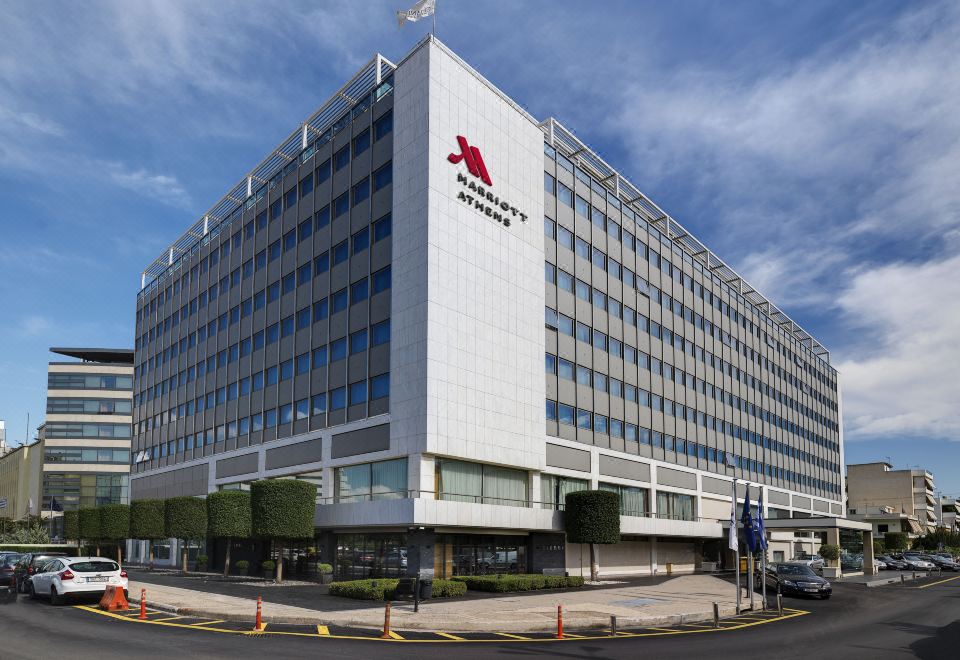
[{"x": 448, "y": 314}]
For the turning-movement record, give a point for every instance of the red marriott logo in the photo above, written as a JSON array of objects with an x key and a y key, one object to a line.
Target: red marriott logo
[{"x": 474, "y": 160}]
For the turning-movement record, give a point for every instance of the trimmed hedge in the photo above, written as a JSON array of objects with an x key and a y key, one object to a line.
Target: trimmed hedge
[
  {"x": 114, "y": 522},
  {"x": 147, "y": 520},
  {"x": 185, "y": 518},
  {"x": 592, "y": 516},
  {"x": 384, "y": 589},
  {"x": 89, "y": 524},
  {"x": 513, "y": 583},
  {"x": 896, "y": 541},
  {"x": 228, "y": 514},
  {"x": 283, "y": 509},
  {"x": 71, "y": 525}
]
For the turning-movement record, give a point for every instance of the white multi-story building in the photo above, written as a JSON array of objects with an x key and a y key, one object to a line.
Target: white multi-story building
[{"x": 449, "y": 314}]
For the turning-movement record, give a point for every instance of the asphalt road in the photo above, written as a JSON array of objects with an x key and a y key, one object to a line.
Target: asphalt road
[{"x": 885, "y": 622}]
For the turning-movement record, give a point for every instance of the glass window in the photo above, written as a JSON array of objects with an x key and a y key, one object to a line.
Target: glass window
[
  {"x": 341, "y": 205},
  {"x": 372, "y": 481},
  {"x": 359, "y": 291},
  {"x": 381, "y": 280},
  {"x": 323, "y": 171},
  {"x": 358, "y": 342},
  {"x": 358, "y": 393},
  {"x": 380, "y": 333},
  {"x": 339, "y": 301},
  {"x": 340, "y": 253},
  {"x": 361, "y": 191},
  {"x": 383, "y": 126},
  {"x": 383, "y": 177},
  {"x": 380, "y": 386},
  {"x": 341, "y": 159},
  {"x": 360, "y": 241},
  {"x": 381, "y": 228},
  {"x": 338, "y": 398},
  {"x": 338, "y": 349},
  {"x": 361, "y": 143},
  {"x": 306, "y": 185}
]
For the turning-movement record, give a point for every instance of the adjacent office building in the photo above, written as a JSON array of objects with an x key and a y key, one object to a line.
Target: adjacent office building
[
  {"x": 948, "y": 509},
  {"x": 449, "y": 314},
  {"x": 892, "y": 500}
]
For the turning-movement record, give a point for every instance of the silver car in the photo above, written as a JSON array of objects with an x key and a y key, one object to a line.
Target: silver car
[{"x": 813, "y": 561}]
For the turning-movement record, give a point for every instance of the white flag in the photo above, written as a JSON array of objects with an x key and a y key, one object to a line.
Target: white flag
[
  {"x": 732, "y": 535},
  {"x": 421, "y": 9}
]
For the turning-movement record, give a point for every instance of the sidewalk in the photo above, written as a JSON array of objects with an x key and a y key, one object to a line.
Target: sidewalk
[{"x": 683, "y": 599}]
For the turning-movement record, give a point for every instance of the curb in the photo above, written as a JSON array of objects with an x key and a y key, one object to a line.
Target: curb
[
  {"x": 590, "y": 623},
  {"x": 888, "y": 581}
]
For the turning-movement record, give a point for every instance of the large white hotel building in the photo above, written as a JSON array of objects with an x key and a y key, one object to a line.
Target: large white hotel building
[{"x": 448, "y": 314}]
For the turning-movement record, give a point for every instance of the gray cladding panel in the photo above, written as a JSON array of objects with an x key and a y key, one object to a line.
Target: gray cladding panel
[
  {"x": 820, "y": 505},
  {"x": 361, "y": 441},
  {"x": 568, "y": 458},
  {"x": 296, "y": 454},
  {"x": 715, "y": 486},
  {"x": 230, "y": 467},
  {"x": 191, "y": 481},
  {"x": 613, "y": 466},
  {"x": 801, "y": 502},
  {"x": 776, "y": 497},
  {"x": 676, "y": 478}
]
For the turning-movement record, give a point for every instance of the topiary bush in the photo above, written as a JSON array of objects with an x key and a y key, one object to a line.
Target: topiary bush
[
  {"x": 228, "y": 517},
  {"x": 829, "y": 552},
  {"x": 185, "y": 518},
  {"x": 592, "y": 516},
  {"x": 515, "y": 583},
  {"x": 384, "y": 589},
  {"x": 115, "y": 525},
  {"x": 147, "y": 522},
  {"x": 90, "y": 526},
  {"x": 71, "y": 525},
  {"x": 282, "y": 510}
]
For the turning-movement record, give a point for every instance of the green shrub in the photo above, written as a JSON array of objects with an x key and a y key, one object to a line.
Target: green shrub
[
  {"x": 896, "y": 541},
  {"x": 115, "y": 522},
  {"x": 147, "y": 520},
  {"x": 592, "y": 516},
  {"x": 268, "y": 565},
  {"x": 90, "y": 524},
  {"x": 243, "y": 565},
  {"x": 202, "y": 560},
  {"x": 71, "y": 525},
  {"x": 514, "y": 583},
  {"x": 185, "y": 518},
  {"x": 829, "y": 552},
  {"x": 228, "y": 514},
  {"x": 325, "y": 569},
  {"x": 283, "y": 509},
  {"x": 384, "y": 589}
]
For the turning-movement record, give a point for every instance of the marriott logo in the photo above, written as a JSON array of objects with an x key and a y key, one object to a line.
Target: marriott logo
[{"x": 474, "y": 160}]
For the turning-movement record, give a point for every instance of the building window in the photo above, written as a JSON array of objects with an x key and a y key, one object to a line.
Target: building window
[
  {"x": 383, "y": 126},
  {"x": 675, "y": 506},
  {"x": 554, "y": 489},
  {"x": 361, "y": 143},
  {"x": 383, "y": 177},
  {"x": 383, "y": 480},
  {"x": 479, "y": 483},
  {"x": 633, "y": 501},
  {"x": 341, "y": 159},
  {"x": 382, "y": 228}
]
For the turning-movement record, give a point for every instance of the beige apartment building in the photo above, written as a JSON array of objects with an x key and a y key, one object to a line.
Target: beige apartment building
[
  {"x": 892, "y": 500},
  {"x": 20, "y": 481}
]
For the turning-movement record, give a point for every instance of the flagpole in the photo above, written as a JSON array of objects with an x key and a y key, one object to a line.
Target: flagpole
[
  {"x": 434, "y": 19},
  {"x": 763, "y": 557},
  {"x": 736, "y": 552},
  {"x": 750, "y": 564}
]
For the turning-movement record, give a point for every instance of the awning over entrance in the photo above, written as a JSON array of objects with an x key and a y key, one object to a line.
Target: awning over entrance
[{"x": 814, "y": 524}]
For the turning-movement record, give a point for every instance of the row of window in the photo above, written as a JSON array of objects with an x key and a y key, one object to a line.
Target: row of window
[
  {"x": 83, "y": 455},
  {"x": 85, "y": 430},
  {"x": 597, "y": 423},
  {"x": 629, "y": 354},
  {"x": 354, "y": 344},
  {"x": 565, "y": 194},
  {"x": 357, "y": 292},
  {"x": 339, "y": 398},
  {"x": 68, "y": 405},
  {"x": 599, "y": 259},
  {"x": 73, "y": 381}
]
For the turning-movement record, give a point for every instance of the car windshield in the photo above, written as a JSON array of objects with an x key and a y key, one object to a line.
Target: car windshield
[
  {"x": 792, "y": 569},
  {"x": 93, "y": 566},
  {"x": 40, "y": 560}
]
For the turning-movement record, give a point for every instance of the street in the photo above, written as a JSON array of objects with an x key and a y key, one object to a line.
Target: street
[{"x": 921, "y": 620}]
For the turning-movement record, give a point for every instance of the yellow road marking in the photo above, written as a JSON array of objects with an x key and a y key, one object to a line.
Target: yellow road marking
[
  {"x": 323, "y": 630},
  {"x": 207, "y": 623},
  {"x": 170, "y": 618},
  {"x": 446, "y": 638},
  {"x": 957, "y": 577},
  {"x": 263, "y": 627}
]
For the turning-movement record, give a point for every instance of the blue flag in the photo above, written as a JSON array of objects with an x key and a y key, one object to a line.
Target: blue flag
[
  {"x": 761, "y": 529},
  {"x": 749, "y": 534}
]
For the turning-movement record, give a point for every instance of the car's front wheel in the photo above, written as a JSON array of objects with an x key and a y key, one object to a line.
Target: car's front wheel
[{"x": 55, "y": 598}]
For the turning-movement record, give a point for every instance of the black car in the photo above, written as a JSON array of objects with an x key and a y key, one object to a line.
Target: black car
[
  {"x": 31, "y": 563},
  {"x": 798, "y": 579},
  {"x": 892, "y": 563},
  {"x": 942, "y": 563}
]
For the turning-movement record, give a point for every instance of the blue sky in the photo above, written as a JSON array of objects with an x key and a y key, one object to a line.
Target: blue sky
[{"x": 815, "y": 146}]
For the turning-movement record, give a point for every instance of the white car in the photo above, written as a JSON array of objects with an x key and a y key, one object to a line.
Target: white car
[{"x": 76, "y": 576}]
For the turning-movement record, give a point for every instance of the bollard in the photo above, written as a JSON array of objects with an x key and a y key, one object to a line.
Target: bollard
[
  {"x": 386, "y": 623},
  {"x": 559, "y": 621},
  {"x": 613, "y": 625},
  {"x": 914, "y": 575},
  {"x": 903, "y": 579},
  {"x": 143, "y": 604},
  {"x": 716, "y": 615},
  {"x": 259, "y": 624},
  {"x": 780, "y": 604}
]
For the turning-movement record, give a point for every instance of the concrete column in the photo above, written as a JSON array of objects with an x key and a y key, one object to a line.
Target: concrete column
[
  {"x": 653, "y": 555},
  {"x": 420, "y": 544},
  {"x": 868, "y": 567}
]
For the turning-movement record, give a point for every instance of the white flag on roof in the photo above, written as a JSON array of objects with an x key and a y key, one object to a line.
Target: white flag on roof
[
  {"x": 732, "y": 532},
  {"x": 421, "y": 9}
]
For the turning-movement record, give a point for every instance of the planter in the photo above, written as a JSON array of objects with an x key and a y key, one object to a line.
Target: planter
[
  {"x": 832, "y": 572},
  {"x": 708, "y": 566},
  {"x": 268, "y": 575},
  {"x": 326, "y": 578}
]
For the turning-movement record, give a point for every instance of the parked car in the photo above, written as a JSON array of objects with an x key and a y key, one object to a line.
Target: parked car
[
  {"x": 916, "y": 563},
  {"x": 892, "y": 563},
  {"x": 813, "y": 561},
  {"x": 65, "y": 577},
  {"x": 879, "y": 564},
  {"x": 941, "y": 562},
  {"x": 798, "y": 578},
  {"x": 851, "y": 562},
  {"x": 8, "y": 562},
  {"x": 29, "y": 564}
]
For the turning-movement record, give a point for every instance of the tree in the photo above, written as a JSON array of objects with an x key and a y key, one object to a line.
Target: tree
[
  {"x": 896, "y": 541},
  {"x": 228, "y": 517},
  {"x": 283, "y": 510},
  {"x": 148, "y": 522},
  {"x": 829, "y": 552},
  {"x": 185, "y": 518},
  {"x": 71, "y": 526},
  {"x": 115, "y": 525},
  {"x": 90, "y": 526},
  {"x": 593, "y": 516}
]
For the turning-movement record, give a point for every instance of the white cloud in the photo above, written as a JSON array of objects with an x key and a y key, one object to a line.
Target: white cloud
[
  {"x": 905, "y": 384},
  {"x": 162, "y": 187},
  {"x": 34, "y": 326}
]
